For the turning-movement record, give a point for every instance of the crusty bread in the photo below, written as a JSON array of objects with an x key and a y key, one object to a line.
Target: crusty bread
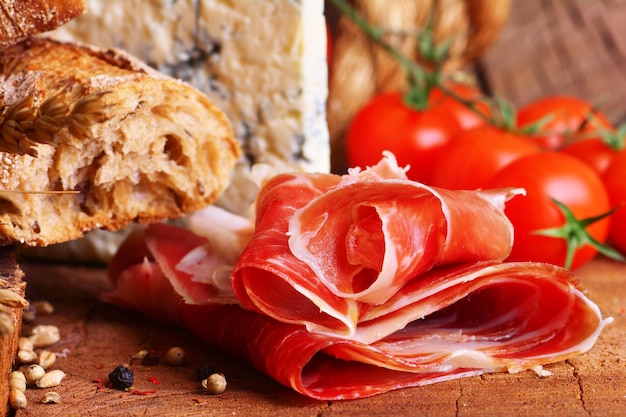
[
  {"x": 20, "y": 19},
  {"x": 131, "y": 143}
]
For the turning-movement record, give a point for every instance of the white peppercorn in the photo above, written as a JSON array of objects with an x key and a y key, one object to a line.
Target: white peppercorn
[
  {"x": 175, "y": 356},
  {"x": 215, "y": 383}
]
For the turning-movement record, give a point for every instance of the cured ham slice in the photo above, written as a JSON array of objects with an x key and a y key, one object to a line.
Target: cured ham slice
[
  {"x": 459, "y": 321},
  {"x": 336, "y": 246},
  {"x": 352, "y": 286}
]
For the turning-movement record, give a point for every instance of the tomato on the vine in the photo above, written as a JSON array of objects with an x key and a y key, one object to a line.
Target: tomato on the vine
[
  {"x": 475, "y": 155},
  {"x": 614, "y": 179},
  {"x": 553, "y": 222},
  {"x": 415, "y": 137},
  {"x": 560, "y": 117},
  {"x": 594, "y": 152},
  {"x": 599, "y": 152},
  {"x": 465, "y": 116}
]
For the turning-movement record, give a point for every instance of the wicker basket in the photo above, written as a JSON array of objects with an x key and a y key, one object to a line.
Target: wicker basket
[{"x": 359, "y": 68}]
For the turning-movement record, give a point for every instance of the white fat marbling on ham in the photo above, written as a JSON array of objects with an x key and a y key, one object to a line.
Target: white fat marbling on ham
[
  {"x": 347, "y": 287},
  {"x": 339, "y": 246}
]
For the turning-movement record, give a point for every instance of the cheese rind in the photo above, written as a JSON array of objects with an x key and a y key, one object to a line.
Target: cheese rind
[{"x": 263, "y": 62}]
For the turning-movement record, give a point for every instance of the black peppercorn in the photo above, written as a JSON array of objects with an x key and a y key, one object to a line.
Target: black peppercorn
[
  {"x": 204, "y": 371},
  {"x": 122, "y": 377},
  {"x": 150, "y": 359}
]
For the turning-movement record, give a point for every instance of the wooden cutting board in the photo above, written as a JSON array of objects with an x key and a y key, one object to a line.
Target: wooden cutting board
[{"x": 96, "y": 337}]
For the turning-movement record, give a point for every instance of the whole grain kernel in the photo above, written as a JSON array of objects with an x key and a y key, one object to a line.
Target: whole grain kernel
[
  {"x": 24, "y": 343},
  {"x": 141, "y": 354},
  {"x": 50, "y": 397},
  {"x": 51, "y": 379},
  {"x": 17, "y": 399},
  {"x": 45, "y": 335},
  {"x": 26, "y": 356},
  {"x": 43, "y": 307},
  {"x": 28, "y": 315},
  {"x": 17, "y": 381},
  {"x": 47, "y": 359},
  {"x": 33, "y": 373},
  {"x": 11, "y": 299}
]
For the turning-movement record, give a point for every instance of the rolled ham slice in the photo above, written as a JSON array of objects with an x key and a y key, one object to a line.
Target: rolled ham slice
[
  {"x": 356, "y": 285},
  {"x": 337, "y": 246}
]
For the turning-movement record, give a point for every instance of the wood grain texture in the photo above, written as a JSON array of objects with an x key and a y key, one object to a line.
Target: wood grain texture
[
  {"x": 96, "y": 337},
  {"x": 561, "y": 47}
]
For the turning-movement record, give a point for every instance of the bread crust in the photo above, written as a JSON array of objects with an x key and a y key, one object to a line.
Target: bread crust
[
  {"x": 157, "y": 148},
  {"x": 20, "y": 19}
]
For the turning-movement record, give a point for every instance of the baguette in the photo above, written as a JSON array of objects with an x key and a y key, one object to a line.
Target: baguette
[
  {"x": 94, "y": 138},
  {"x": 20, "y": 19}
]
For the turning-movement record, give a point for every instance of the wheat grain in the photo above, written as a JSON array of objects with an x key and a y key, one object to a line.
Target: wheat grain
[
  {"x": 12, "y": 299},
  {"x": 29, "y": 121}
]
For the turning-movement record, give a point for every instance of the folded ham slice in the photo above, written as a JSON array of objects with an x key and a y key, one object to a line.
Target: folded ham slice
[
  {"x": 355, "y": 285},
  {"x": 337, "y": 246}
]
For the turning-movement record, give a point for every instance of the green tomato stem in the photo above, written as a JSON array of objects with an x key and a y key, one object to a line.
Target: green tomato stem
[
  {"x": 574, "y": 231},
  {"x": 615, "y": 140},
  {"x": 420, "y": 81}
]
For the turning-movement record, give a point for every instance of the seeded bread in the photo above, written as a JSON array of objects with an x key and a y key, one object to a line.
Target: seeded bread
[
  {"x": 105, "y": 141},
  {"x": 20, "y": 19}
]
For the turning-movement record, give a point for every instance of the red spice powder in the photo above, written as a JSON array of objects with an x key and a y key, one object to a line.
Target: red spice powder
[{"x": 154, "y": 380}]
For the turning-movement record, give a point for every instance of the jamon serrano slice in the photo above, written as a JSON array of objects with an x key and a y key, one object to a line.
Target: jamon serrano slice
[
  {"x": 337, "y": 246},
  {"x": 352, "y": 286},
  {"x": 454, "y": 321}
]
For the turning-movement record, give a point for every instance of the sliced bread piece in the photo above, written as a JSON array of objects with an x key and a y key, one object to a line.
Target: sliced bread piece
[{"x": 114, "y": 140}]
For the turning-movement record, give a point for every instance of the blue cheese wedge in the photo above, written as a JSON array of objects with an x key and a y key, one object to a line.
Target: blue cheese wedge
[{"x": 261, "y": 61}]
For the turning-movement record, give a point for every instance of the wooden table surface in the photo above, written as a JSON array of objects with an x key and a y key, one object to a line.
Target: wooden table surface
[{"x": 96, "y": 337}]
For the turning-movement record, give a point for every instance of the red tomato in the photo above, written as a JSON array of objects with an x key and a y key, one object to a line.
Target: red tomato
[
  {"x": 474, "y": 156},
  {"x": 569, "y": 115},
  {"x": 614, "y": 178},
  {"x": 594, "y": 152},
  {"x": 414, "y": 136},
  {"x": 547, "y": 176},
  {"x": 466, "y": 117}
]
